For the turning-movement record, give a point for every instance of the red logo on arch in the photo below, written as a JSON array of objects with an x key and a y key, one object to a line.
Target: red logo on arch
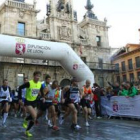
[
  {"x": 115, "y": 107},
  {"x": 20, "y": 49},
  {"x": 75, "y": 66}
]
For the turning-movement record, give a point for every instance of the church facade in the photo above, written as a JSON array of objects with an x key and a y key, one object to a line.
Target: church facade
[{"x": 89, "y": 39}]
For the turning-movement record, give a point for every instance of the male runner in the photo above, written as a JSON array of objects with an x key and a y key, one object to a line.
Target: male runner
[
  {"x": 70, "y": 100},
  {"x": 5, "y": 100},
  {"x": 85, "y": 101},
  {"x": 48, "y": 97},
  {"x": 33, "y": 88}
]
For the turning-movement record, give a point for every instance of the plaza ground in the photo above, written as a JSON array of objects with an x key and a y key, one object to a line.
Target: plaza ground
[{"x": 102, "y": 129}]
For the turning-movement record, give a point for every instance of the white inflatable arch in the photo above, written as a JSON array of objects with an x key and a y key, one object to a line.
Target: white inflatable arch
[{"x": 37, "y": 49}]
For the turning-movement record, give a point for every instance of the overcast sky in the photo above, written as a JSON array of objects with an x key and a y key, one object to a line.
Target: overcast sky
[{"x": 123, "y": 16}]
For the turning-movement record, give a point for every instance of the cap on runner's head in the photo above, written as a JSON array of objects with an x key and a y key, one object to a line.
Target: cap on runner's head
[{"x": 74, "y": 79}]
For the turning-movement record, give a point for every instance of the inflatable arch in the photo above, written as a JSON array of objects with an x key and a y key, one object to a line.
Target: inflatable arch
[{"x": 13, "y": 46}]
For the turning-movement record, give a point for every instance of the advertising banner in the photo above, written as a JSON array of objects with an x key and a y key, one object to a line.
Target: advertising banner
[{"x": 121, "y": 106}]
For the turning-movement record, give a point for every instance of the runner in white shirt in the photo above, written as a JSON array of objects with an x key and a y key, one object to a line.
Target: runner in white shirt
[{"x": 5, "y": 100}]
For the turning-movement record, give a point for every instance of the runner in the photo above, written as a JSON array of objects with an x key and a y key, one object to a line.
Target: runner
[
  {"x": 44, "y": 85},
  {"x": 47, "y": 103},
  {"x": 5, "y": 100},
  {"x": 22, "y": 105},
  {"x": 85, "y": 101},
  {"x": 33, "y": 88},
  {"x": 56, "y": 102},
  {"x": 70, "y": 98},
  {"x": 15, "y": 101},
  {"x": 47, "y": 81}
]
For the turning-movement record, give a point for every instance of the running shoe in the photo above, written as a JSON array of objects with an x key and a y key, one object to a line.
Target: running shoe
[
  {"x": 87, "y": 124},
  {"x": 25, "y": 124},
  {"x": 77, "y": 127},
  {"x": 99, "y": 117},
  {"x": 46, "y": 118},
  {"x": 15, "y": 115},
  {"x": 21, "y": 115},
  {"x": 56, "y": 128},
  {"x": 27, "y": 133},
  {"x": 4, "y": 125},
  {"x": 49, "y": 124},
  {"x": 61, "y": 120}
]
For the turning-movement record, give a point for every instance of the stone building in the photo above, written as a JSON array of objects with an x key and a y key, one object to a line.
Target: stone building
[{"x": 89, "y": 39}]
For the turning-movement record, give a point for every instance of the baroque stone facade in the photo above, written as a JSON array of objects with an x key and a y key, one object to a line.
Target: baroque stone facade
[{"x": 89, "y": 38}]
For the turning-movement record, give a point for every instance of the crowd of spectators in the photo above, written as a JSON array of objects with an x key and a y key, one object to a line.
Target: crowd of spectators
[{"x": 126, "y": 89}]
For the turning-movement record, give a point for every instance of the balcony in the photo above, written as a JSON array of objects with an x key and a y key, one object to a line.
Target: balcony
[
  {"x": 101, "y": 67},
  {"x": 45, "y": 36},
  {"x": 20, "y": 5}
]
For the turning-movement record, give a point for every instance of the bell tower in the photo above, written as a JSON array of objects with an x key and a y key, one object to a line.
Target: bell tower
[{"x": 62, "y": 20}]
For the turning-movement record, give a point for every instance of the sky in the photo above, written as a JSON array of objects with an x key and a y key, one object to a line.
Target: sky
[{"x": 123, "y": 18}]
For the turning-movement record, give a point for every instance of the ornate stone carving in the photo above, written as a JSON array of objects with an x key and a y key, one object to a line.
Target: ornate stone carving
[
  {"x": 63, "y": 5},
  {"x": 65, "y": 23},
  {"x": 82, "y": 33},
  {"x": 64, "y": 33},
  {"x": 21, "y": 13},
  {"x": 14, "y": 10},
  {"x": 63, "y": 15}
]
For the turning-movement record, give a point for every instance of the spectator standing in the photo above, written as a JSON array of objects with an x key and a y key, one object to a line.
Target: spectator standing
[
  {"x": 97, "y": 99},
  {"x": 116, "y": 88}
]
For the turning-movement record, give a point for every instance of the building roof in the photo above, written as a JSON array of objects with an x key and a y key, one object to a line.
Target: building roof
[{"x": 126, "y": 51}]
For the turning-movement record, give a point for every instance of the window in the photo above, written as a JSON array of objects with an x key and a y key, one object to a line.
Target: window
[
  {"x": 20, "y": 79},
  {"x": 0, "y": 28},
  {"x": 21, "y": 29},
  {"x": 123, "y": 66},
  {"x": 124, "y": 78},
  {"x": 131, "y": 77},
  {"x": 130, "y": 65},
  {"x": 137, "y": 62},
  {"x": 118, "y": 79},
  {"x": 138, "y": 76},
  {"x": 100, "y": 60},
  {"x": 98, "y": 40},
  {"x": 117, "y": 66}
]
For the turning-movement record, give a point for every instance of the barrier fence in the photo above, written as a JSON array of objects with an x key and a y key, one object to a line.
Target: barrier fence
[{"x": 121, "y": 106}]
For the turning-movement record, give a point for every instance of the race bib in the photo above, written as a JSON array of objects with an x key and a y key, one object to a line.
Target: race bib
[
  {"x": 73, "y": 96},
  {"x": 87, "y": 97},
  {"x": 49, "y": 100},
  {"x": 35, "y": 92},
  {"x": 16, "y": 93}
]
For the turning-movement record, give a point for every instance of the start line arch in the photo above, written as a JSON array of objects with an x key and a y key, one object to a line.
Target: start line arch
[{"x": 13, "y": 46}]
